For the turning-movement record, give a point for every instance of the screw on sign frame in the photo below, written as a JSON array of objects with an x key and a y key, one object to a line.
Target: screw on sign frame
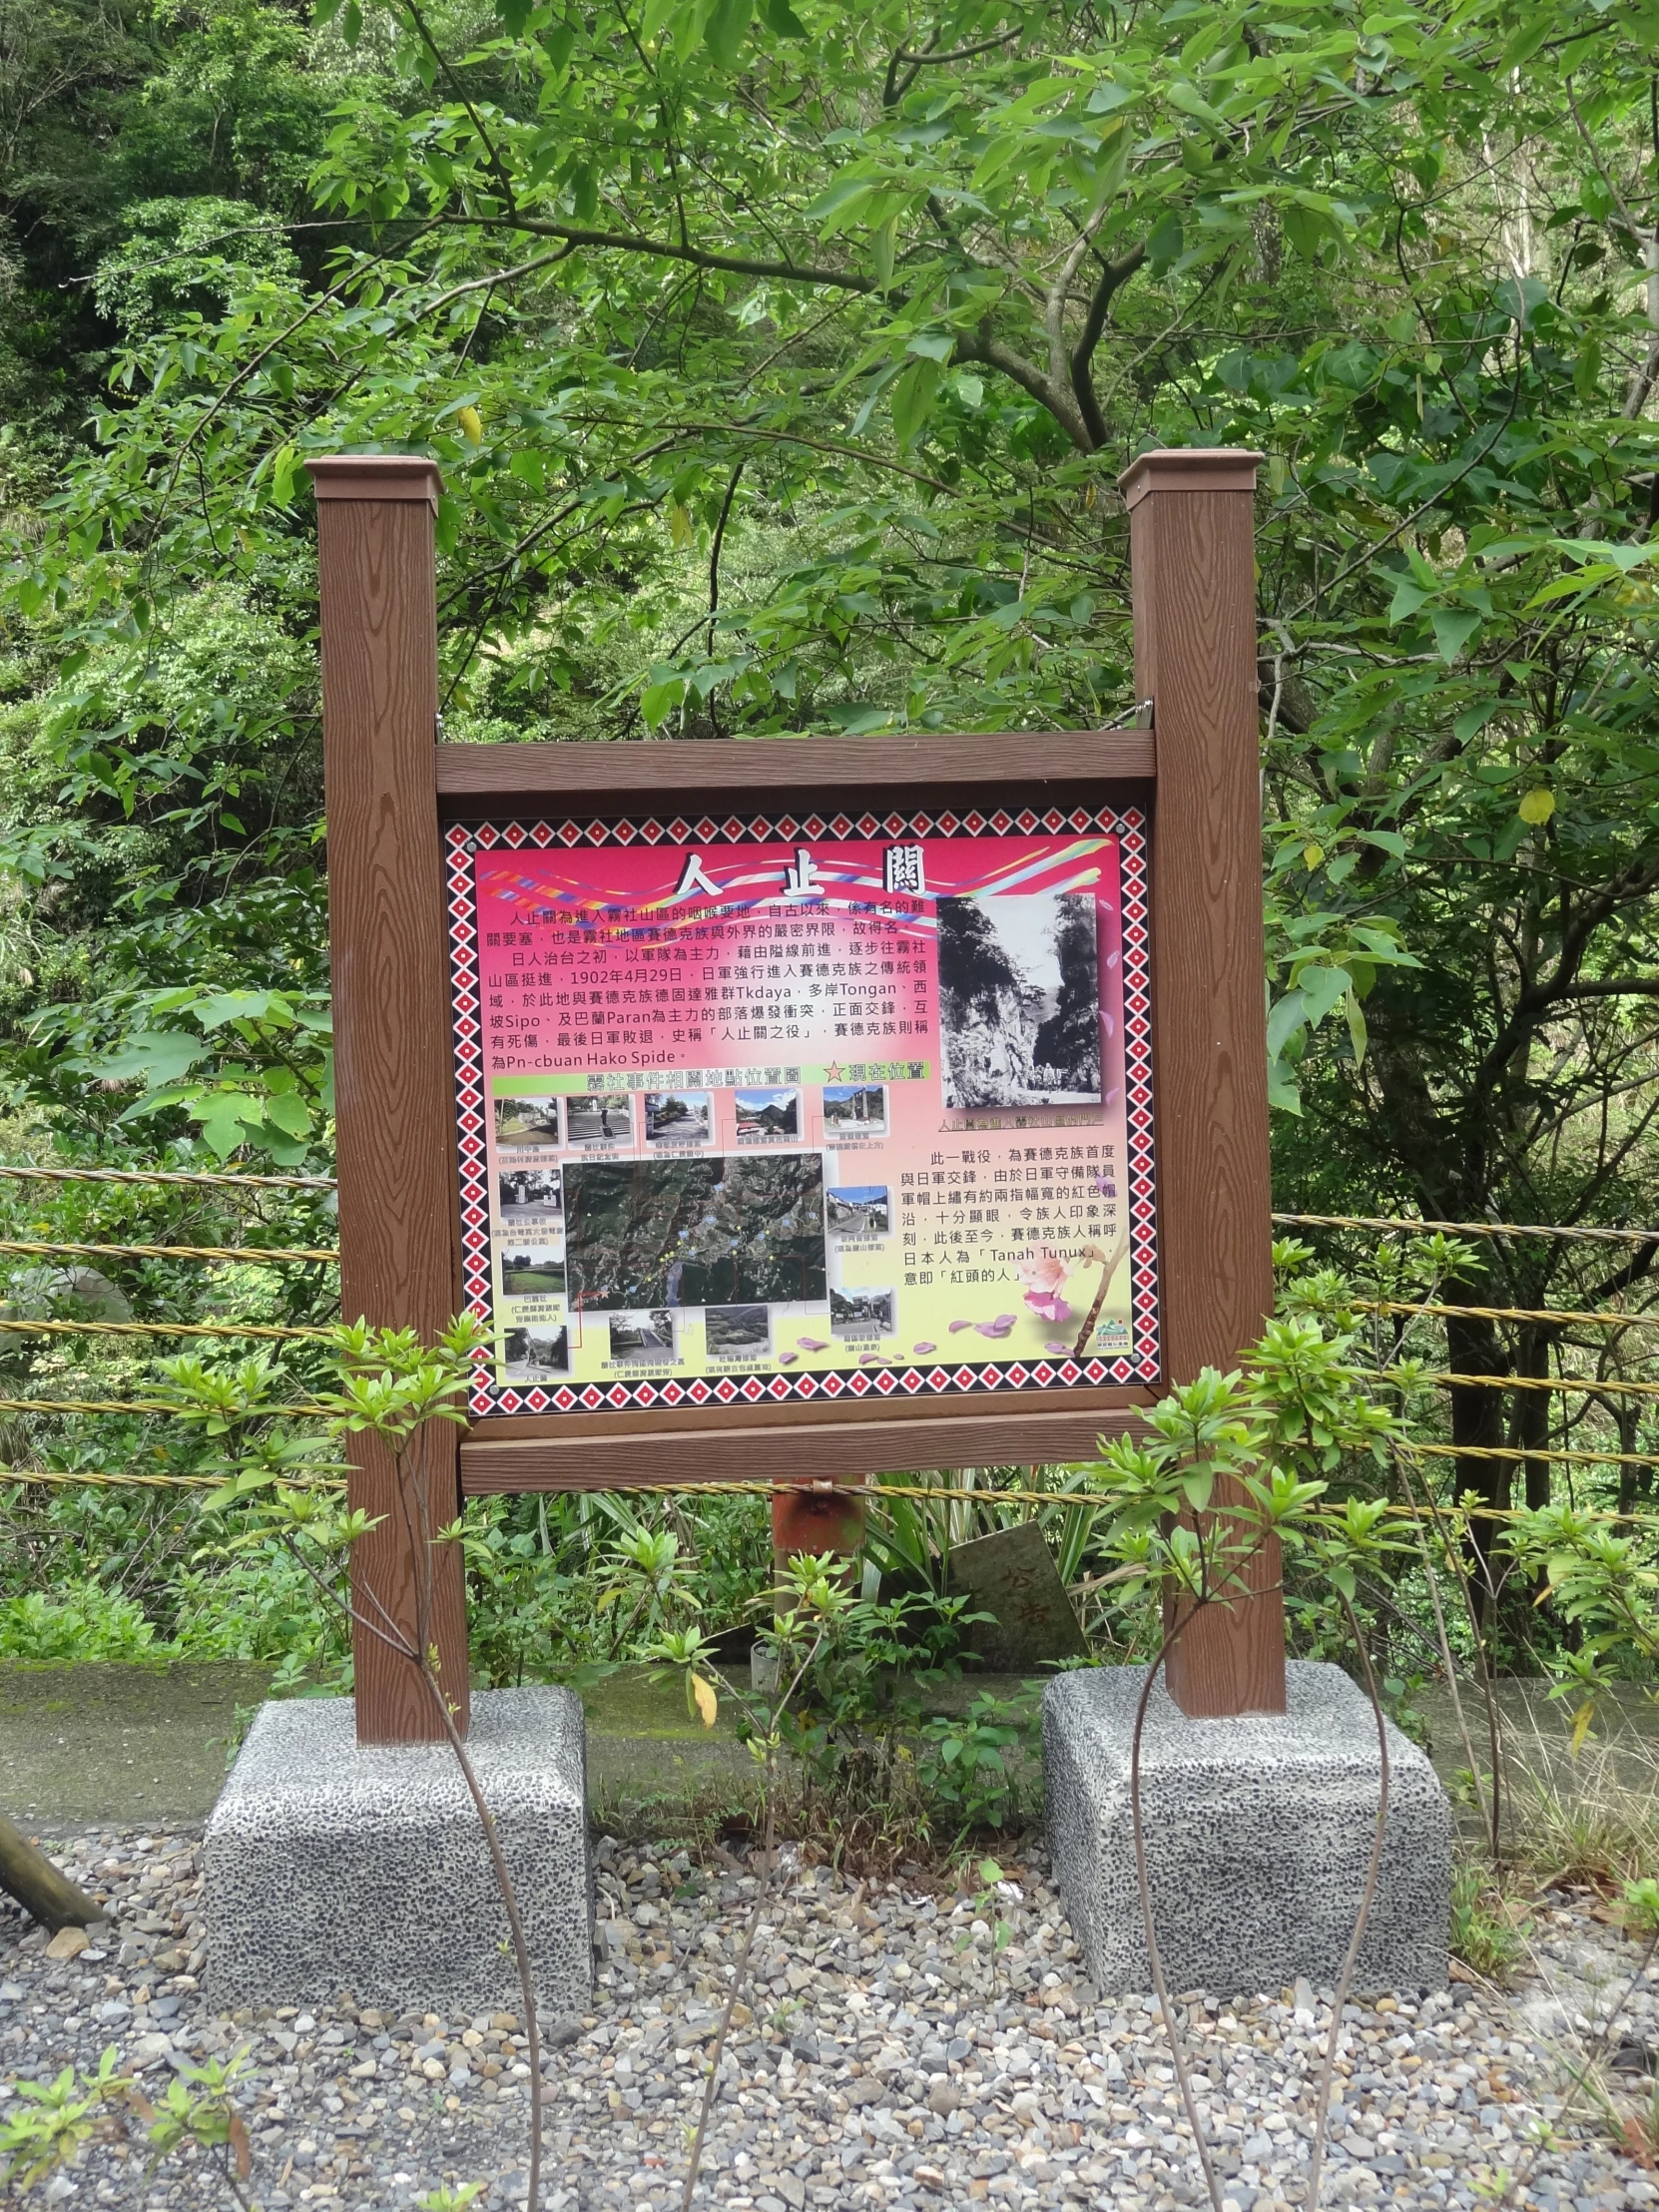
[{"x": 394, "y": 796}]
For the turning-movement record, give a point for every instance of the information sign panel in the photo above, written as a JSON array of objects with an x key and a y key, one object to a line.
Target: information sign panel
[{"x": 776, "y": 1110}]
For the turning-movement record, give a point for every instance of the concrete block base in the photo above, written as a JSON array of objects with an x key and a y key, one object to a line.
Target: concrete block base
[
  {"x": 329, "y": 1867},
  {"x": 1259, "y": 1834}
]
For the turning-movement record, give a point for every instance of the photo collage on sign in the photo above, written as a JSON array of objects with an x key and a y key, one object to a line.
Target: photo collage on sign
[{"x": 755, "y": 1112}]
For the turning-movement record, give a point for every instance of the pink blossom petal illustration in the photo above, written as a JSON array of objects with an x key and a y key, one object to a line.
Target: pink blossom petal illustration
[
  {"x": 788, "y": 1359},
  {"x": 872, "y": 1358},
  {"x": 1047, "y": 1308},
  {"x": 998, "y": 1327},
  {"x": 812, "y": 1343},
  {"x": 1052, "y": 1346},
  {"x": 1042, "y": 1273},
  {"x": 923, "y": 1348},
  {"x": 955, "y": 1325}
]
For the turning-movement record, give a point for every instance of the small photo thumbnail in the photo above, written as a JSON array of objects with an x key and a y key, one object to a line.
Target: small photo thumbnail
[
  {"x": 855, "y": 1109},
  {"x": 607, "y": 1118},
  {"x": 643, "y": 1337},
  {"x": 738, "y": 1332},
  {"x": 520, "y": 1121},
  {"x": 532, "y": 1354},
  {"x": 532, "y": 1271},
  {"x": 678, "y": 1117},
  {"x": 530, "y": 1195},
  {"x": 1019, "y": 999},
  {"x": 857, "y": 1210},
  {"x": 860, "y": 1312},
  {"x": 769, "y": 1113}
]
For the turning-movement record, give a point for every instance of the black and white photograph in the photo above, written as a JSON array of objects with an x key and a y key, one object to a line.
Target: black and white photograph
[
  {"x": 526, "y": 1121},
  {"x": 857, "y": 1210},
  {"x": 860, "y": 1312},
  {"x": 642, "y": 1338},
  {"x": 603, "y": 1118},
  {"x": 534, "y": 1355},
  {"x": 855, "y": 1110},
  {"x": 708, "y": 1230},
  {"x": 529, "y": 1196},
  {"x": 1019, "y": 1000},
  {"x": 738, "y": 1332},
  {"x": 532, "y": 1271},
  {"x": 768, "y": 1114},
  {"x": 678, "y": 1117}
]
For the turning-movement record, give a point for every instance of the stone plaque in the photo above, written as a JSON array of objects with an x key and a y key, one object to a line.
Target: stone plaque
[{"x": 1012, "y": 1574}]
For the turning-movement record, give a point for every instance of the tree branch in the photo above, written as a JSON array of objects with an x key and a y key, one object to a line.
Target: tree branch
[
  {"x": 980, "y": 345},
  {"x": 496, "y": 167},
  {"x": 914, "y": 64},
  {"x": 1112, "y": 280},
  {"x": 1060, "y": 291},
  {"x": 1629, "y": 986},
  {"x": 714, "y": 553},
  {"x": 626, "y": 242}
]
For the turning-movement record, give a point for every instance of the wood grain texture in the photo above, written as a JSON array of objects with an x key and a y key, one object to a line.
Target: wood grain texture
[
  {"x": 844, "y": 771},
  {"x": 492, "y": 1464},
  {"x": 1193, "y": 560},
  {"x": 398, "y": 1226}
]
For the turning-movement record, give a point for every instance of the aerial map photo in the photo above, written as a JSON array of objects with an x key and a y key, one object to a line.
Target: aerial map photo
[{"x": 719, "y": 1232}]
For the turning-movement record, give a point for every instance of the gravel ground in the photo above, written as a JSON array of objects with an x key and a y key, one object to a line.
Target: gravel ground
[{"x": 878, "y": 2066}]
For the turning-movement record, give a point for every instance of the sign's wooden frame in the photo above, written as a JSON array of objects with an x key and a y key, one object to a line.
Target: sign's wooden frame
[{"x": 392, "y": 786}]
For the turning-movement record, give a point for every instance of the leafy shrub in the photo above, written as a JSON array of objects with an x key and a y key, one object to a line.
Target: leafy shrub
[
  {"x": 973, "y": 1766},
  {"x": 84, "y": 1621}
]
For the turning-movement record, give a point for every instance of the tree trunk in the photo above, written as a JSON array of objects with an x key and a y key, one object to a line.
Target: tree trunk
[
  {"x": 1477, "y": 1426},
  {"x": 29, "y": 1876}
]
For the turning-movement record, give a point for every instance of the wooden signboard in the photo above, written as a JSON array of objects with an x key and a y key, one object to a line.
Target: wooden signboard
[{"x": 800, "y": 1109}]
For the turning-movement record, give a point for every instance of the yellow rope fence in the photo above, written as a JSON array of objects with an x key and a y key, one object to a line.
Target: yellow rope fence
[
  {"x": 171, "y": 1176},
  {"x": 278, "y": 1255},
  {"x": 1406, "y": 1225},
  {"x": 267, "y": 1256}
]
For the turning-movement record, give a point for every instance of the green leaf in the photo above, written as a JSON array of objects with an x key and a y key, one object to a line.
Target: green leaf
[
  {"x": 1454, "y": 627},
  {"x": 657, "y": 701},
  {"x": 287, "y": 1111},
  {"x": 912, "y": 401},
  {"x": 1357, "y": 1036},
  {"x": 1288, "y": 1015},
  {"x": 1196, "y": 1488},
  {"x": 158, "y": 1055},
  {"x": 1408, "y": 598},
  {"x": 223, "y": 1006},
  {"x": 727, "y": 28},
  {"x": 224, "y": 1121},
  {"x": 1163, "y": 244}
]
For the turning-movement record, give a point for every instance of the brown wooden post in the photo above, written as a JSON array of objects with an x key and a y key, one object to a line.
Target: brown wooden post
[
  {"x": 815, "y": 1518},
  {"x": 394, "y": 1106},
  {"x": 1191, "y": 552}
]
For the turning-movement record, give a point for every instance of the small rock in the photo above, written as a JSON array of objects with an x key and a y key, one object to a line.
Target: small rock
[
  {"x": 944, "y": 2098},
  {"x": 68, "y": 1942}
]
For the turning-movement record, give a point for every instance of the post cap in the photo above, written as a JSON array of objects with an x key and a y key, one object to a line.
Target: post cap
[
  {"x": 375, "y": 476},
  {"x": 1188, "y": 468}
]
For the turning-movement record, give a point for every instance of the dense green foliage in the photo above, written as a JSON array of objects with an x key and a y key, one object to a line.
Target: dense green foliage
[{"x": 781, "y": 361}]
